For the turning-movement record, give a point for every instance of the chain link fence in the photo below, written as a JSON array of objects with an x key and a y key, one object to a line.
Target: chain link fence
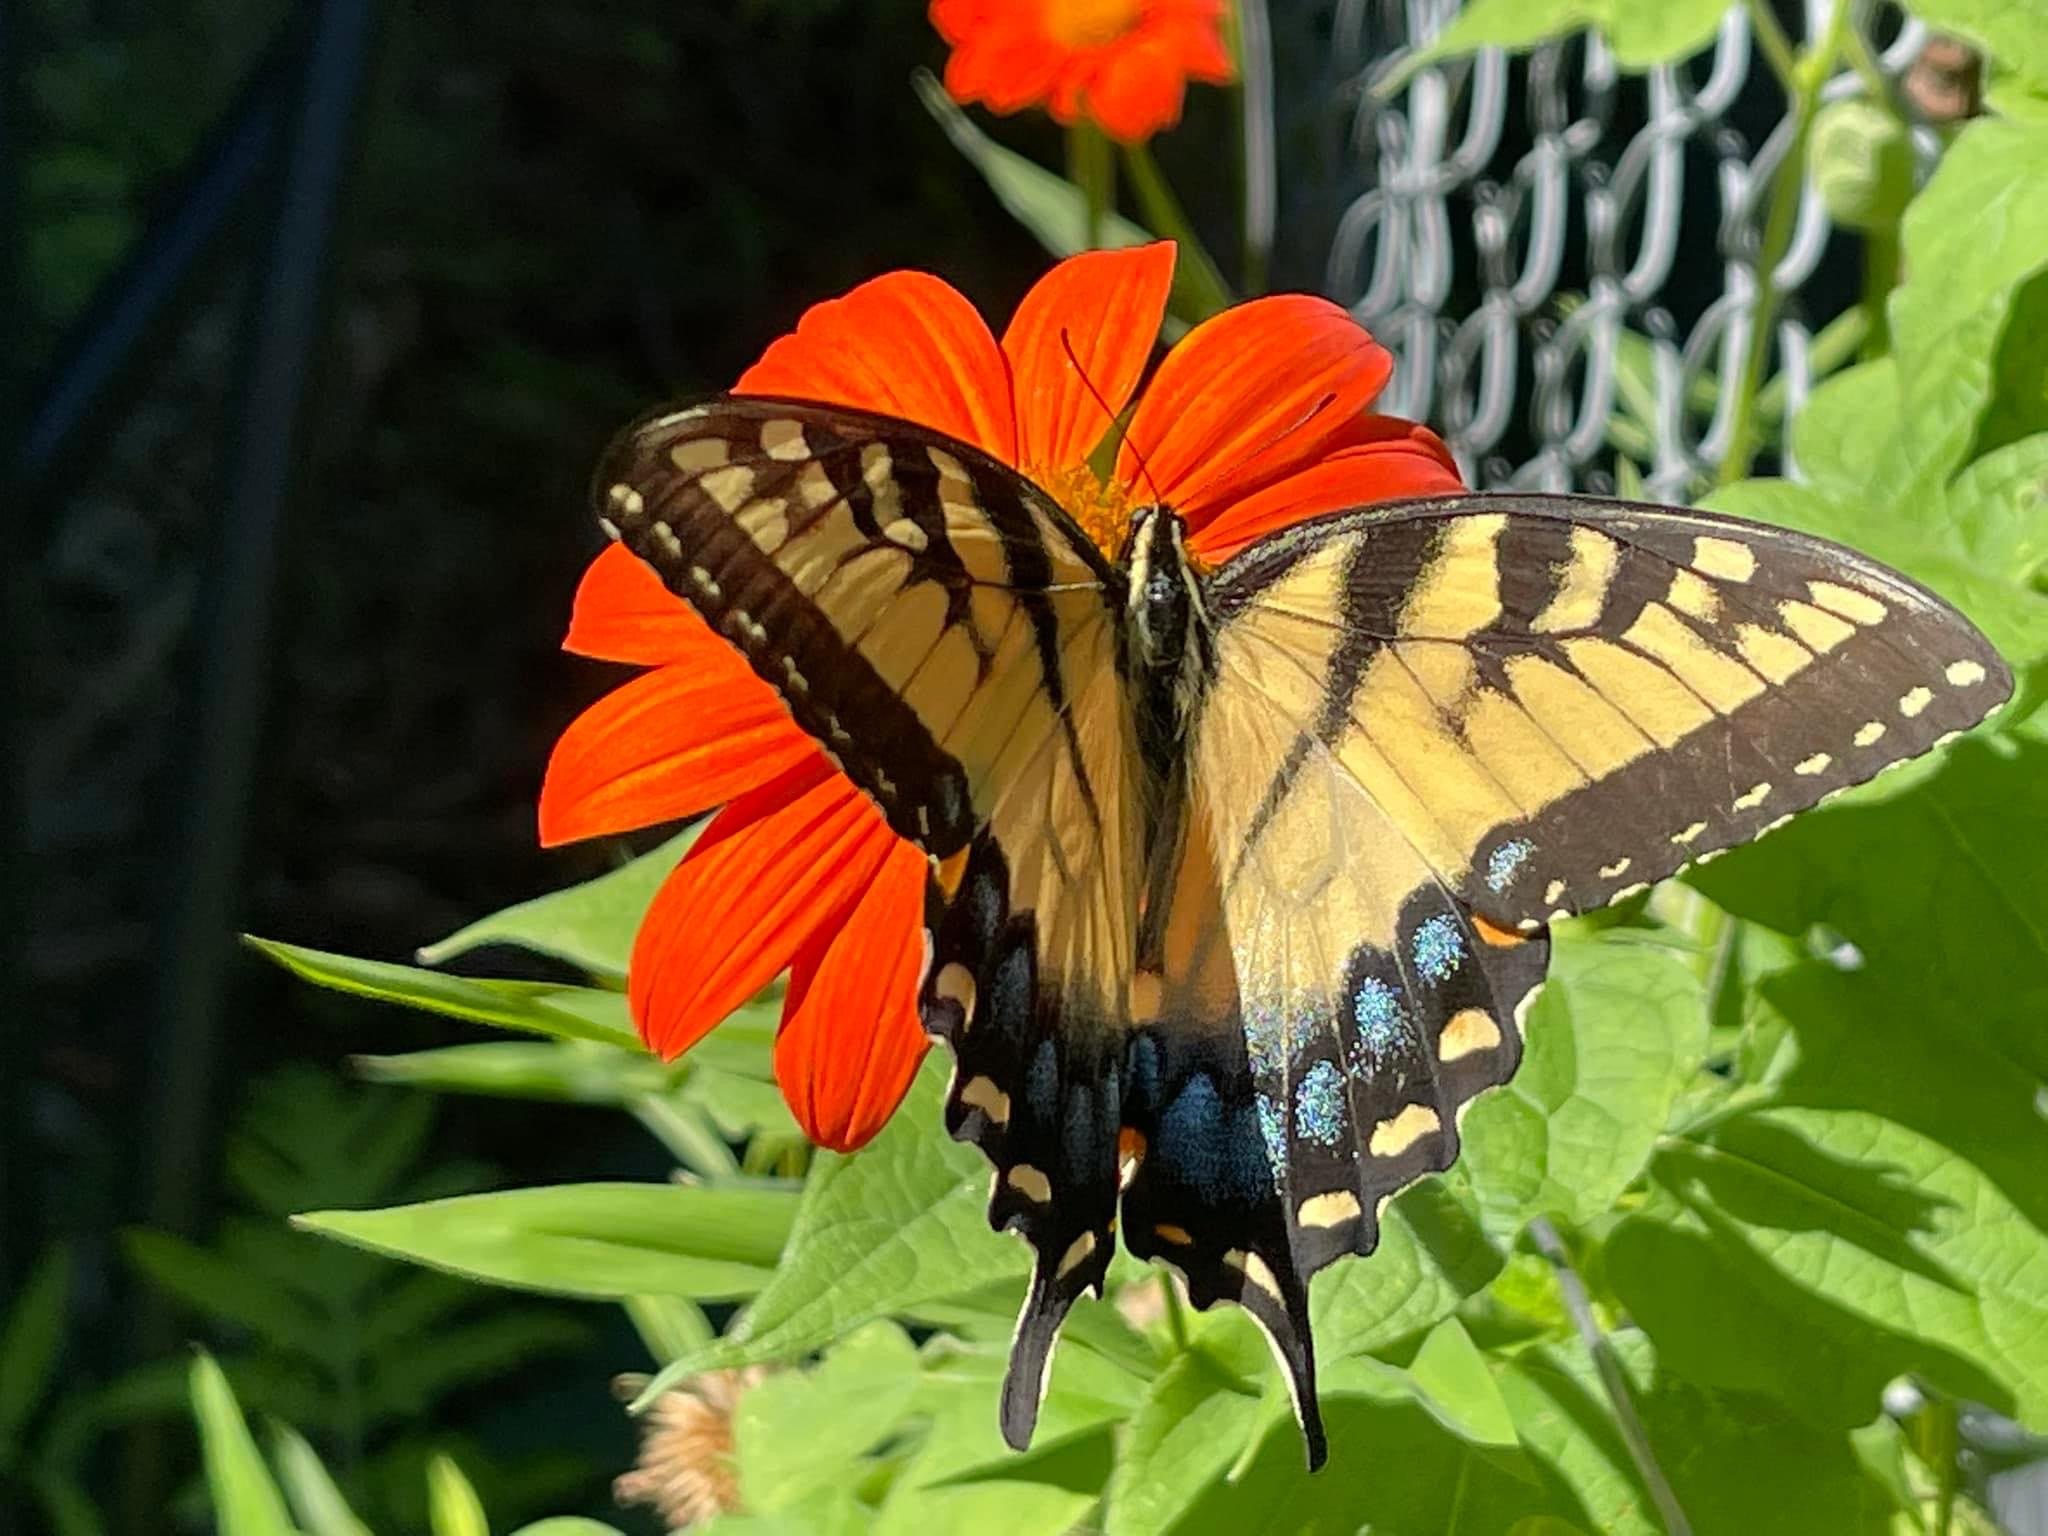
[{"x": 1524, "y": 274}]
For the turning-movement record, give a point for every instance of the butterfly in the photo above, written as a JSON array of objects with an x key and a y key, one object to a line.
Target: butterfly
[{"x": 1240, "y": 877}]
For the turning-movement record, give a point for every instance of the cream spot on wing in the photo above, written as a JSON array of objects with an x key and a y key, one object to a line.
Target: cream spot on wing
[
  {"x": 815, "y": 486},
  {"x": 1914, "y": 701},
  {"x": 1330, "y": 1210},
  {"x": 699, "y": 453},
  {"x": 729, "y": 487},
  {"x": 1613, "y": 871},
  {"x": 1255, "y": 1270},
  {"x": 1624, "y": 893},
  {"x": 1752, "y": 798},
  {"x": 1772, "y": 654},
  {"x": 1817, "y": 631},
  {"x": 628, "y": 502},
  {"x": 904, "y": 531},
  {"x": 957, "y": 983},
  {"x": 1693, "y": 597},
  {"x": 1553, "y": 891},
  {"x": 1470, "y": 1030},
  {"x": 1030, "y": 1183},
  {"x": 981, "y": 1093},
  {"x": 1583, "y": 591},
  {"x": 665, "y": 536},
  {"x": 1868, "y": 733},
  {"x": 1809, "y": 766},
  {"x": 783, "y": 439},
  {"x": 766, "y": 522},
  {"x": 1728, "y": 559},
  {"x": 1691, "y": 832},
  {"x": 1395, "y": 1135},
  {"x": 1076, "y": 1255},
  {"x": 1961, "y": 674},
  {"x": 1847, "y": 601}
]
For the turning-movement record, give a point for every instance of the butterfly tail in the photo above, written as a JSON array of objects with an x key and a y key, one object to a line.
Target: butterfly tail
[{"x": 1038, "y": 1329}]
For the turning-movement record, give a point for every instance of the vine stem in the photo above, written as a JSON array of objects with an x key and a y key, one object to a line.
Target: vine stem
[
  {"x": 1551, "y": 1246},
  {"x": 1802, "y": 76},
  {"x": 1090, "y": 168},
  {"x": 1197, "y": 277}
]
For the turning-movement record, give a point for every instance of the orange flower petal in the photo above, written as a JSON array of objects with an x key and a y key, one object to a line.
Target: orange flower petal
[
  {"x": 1250, "y": 395},
  {"x": 1137, "y": 89},
  {"x": 905, "y": 344},
  {"x": 670, "y": 743},
  {"x": 1106, "y": 307},
  {"x": 850, "y": 1040},
  {"x": 782, "y": 863},
  {"x": 624, "y": 613},
  {"x": 1408, "y": 460}
]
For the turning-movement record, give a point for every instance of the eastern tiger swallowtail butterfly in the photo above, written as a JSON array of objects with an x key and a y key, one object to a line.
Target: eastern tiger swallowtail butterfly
[{"x": 1240, "y": 877}]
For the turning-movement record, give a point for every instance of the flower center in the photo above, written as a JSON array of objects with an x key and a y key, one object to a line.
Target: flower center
[
  {"x": 1103, "y": 510},
  {"x": 1090, "y": 23}
]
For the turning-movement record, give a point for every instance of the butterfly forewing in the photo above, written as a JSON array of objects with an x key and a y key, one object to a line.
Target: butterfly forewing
[{"x": 1560, "y": 700}]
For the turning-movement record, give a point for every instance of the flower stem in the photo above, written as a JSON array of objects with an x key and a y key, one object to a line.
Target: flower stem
[
  {"x": 1251, "y": 44},
  {"x": 1802, "y": 77},
  {"x": 1198, "y": 278},
  {"x": 1176, "y": 1315},
  {"x": 1551, "y": 1246},
  {"x": 1090, "y": 168}
]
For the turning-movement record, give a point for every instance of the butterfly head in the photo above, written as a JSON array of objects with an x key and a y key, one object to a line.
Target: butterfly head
[{"x": 1165, "y": 613}]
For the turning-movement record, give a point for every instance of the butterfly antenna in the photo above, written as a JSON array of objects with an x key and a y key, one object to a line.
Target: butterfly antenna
[{"x": 1067, "y": 346}]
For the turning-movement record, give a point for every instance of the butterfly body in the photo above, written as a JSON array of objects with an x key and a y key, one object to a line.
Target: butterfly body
[{"x": 1240, "y": 876}]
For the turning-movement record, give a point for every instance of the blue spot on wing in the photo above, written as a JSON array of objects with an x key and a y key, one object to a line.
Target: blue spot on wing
[
  {"x": 1222, "y": 1156},
  {"x": 1319, "y": 1105},
  {"x": 1438, "y": 947},
  {"x": 1273, "y": 1131},
  {"x": 1507, "y": 862}
]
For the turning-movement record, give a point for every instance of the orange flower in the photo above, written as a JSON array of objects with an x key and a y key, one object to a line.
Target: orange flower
[
  {"x": 1256, "y": 420},
  {"x": 1124, "y": 64}
]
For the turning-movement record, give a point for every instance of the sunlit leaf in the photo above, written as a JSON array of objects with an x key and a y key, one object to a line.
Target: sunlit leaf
[
  {"x": 245, "y": 1500},
  {"x": 590, "y": 1240}
]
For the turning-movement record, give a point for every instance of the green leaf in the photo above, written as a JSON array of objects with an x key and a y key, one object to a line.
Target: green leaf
[
  {"x": 563, "y": 1013},
  {"x": 1194, "y": 1422},
  {"x": 800, "y": 1432},
  {"x": 30, "y": 1340},
  {"x": 1455, "y": 1381},
  {"x": 1642, "y": 33},
  {"x": 900, "y": 1224},
  {"x": 452, "y": 1505},
  {"x": 592, "y": 1240},
  {"x": 670, "y": 1326},
  {"x": 1433, "y": 1253},
  {"x": 1050, "y": 206},
  {"x": 570, "y": 1072},
  {"x": 315, "y": 1497},
  {"x": 245, "y": 1500},
  {"x": 1786, "y": 1243},
  {"x": 568, "y": 1525},
  {"x": 590, "y": 926},
  {"x": 215, "y": 1284},
  {"x": 1615, "y": 1037}
]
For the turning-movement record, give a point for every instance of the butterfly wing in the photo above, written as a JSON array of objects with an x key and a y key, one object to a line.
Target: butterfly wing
[
  {"x": 1430, "y": 727},
  {"x": 943, "y": 630}
]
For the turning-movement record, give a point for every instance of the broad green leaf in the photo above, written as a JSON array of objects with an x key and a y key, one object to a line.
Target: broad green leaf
[
  {"x": 1617, "y": 1033},
  {"x": 568, "y": 1525},
  {"x": 314, "y": 1496},
  {"x": 898, "y": 1225},
  {"x": 29, "y": 1341},
  {"x": 1196, "y": 1419},
  {"x": 800, "y": 1432},
  {"x": 1641, "y": 32},
  {"x": 964, "y": 1480},
  {"x": 245, "y": 1500},
  {"x": 564, "y": 1013},
  {"x": 452, "y": 1505},
  {"x": 1433, "y": 1253},
  {"x": 467, "y": 1353},
  {"x": 1860, "y": 156},
  {"x": 591, "y": 1240},
  {"x": 1785, "y": 1242},
  {"x": 590, "y": 926},
  {"x": 989, "y": 1312},
  {"x": 1737, "y": 1465},
  {"x": 1454, "y": 1380},
  {"x": 835, "y": 1512}
]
